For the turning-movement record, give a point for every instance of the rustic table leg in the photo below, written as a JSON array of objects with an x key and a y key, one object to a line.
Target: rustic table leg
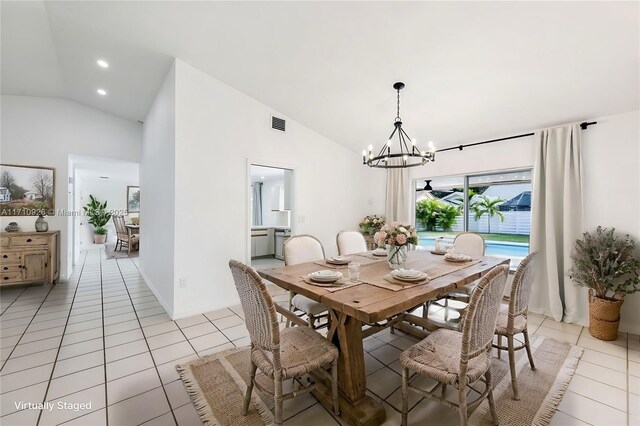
[{"x": 357, "y": 408}]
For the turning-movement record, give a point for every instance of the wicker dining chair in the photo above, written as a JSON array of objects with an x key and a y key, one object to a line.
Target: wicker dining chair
[
  {"x": 512, "y": 319},
  {"x": 301, "y": 249},
  {"x": 280, "y": 355},
  {"x": 351, "y": 242},
  {"x": 459, "y": 358}
]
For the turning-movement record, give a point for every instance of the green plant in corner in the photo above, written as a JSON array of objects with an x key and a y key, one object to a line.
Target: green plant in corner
[
  {"x": 606, "y": 264},
  {"x": 98, "y": 217},
  {"x": 488, "y": 206}
]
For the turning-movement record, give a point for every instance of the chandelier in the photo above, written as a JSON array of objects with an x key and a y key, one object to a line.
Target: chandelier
[{"x": 408, "y": 154}]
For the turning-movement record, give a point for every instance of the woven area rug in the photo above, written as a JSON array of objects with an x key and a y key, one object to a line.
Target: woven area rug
[
  {"x": 540, "y": 391},
  {"x": 110, "y": 253},
  {"x": 216, "y": 384}
]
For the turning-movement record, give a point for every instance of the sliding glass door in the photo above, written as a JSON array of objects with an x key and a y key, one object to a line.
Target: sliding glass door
[{"x": 496, "y": 205}]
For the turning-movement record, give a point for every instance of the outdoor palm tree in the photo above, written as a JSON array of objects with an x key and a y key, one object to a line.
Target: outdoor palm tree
[{"x": 488, "y": 206}]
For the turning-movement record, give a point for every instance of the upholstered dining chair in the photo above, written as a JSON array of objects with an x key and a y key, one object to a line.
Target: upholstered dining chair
[
  {"x": 280, "y": 355},
  {"x": 301, "y": 249},
  {"x": 473, "y": 245},
  {"x": 351, "y": 242},
  {"x": 459, "y": 358},
  {"x": 123, "y": 235},
  {"x": 512, "y": 319},
  {"x": 469, "y": 243}
]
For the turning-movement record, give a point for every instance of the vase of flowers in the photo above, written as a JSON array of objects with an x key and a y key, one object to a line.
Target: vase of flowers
[
  {"x": 606, "y": 264},
  {"x": 396, "y": 237},
  {"x": 371, "y": 224}
]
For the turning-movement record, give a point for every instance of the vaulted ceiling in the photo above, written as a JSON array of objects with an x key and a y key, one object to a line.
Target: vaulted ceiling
[{"x": 472, "y": 69}]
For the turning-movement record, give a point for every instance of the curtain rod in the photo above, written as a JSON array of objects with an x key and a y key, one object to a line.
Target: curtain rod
[{"x": 583, "y": 126}]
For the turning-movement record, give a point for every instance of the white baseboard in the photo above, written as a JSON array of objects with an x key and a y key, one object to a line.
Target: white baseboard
[
  {"x": 202, "y": 310},
  {"x": 164, "y": 304}
]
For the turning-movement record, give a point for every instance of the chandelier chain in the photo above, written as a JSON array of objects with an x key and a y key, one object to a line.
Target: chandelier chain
[{"x": 398, "y": 108}]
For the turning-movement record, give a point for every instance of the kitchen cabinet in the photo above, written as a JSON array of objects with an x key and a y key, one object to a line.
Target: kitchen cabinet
[
  {"x": 262, "y": 242},
  {"x": 29, "y": 257},
  {"x": 277, "y": 198}
]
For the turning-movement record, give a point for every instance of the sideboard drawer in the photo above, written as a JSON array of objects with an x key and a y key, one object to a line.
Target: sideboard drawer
[
  {"x": 10, "y": 277},
  {"x": 29, "y": 240},
  {"x": 6, "y": 269},
  {"x": 9, "y": 257},
  {"x": 4, "y": 241}
]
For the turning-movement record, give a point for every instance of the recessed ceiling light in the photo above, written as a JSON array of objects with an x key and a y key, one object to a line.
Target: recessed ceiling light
[
  {"x": 261, "y": 177},
  {"x": 102, "y": 92},
  {"x": 103, "y": 63}
]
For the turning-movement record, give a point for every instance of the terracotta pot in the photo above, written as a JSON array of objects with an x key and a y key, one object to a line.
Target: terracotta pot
[
  {"x": 604, "y": 317},
  {"x": 99, "y": 239}
]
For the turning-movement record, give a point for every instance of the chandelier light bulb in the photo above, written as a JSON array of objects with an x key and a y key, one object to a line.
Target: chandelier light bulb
[
  {"x": 413, "y": 141},
  {"x": 370, "y": 148},
  {"x": 389, "y": 142},
  {"x": 405, "y": 157},
  {"x": 364, "y": 152}
]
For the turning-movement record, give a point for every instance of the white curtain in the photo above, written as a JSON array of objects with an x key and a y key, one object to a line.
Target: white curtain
[
  {"x": 256, "y": 204},
  {"x": 397, "y": 198},
  {"x": 556, "y": 222}
]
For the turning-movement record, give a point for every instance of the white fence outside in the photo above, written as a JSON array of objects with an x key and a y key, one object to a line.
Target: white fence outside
[{"x": 515, "y": 222}]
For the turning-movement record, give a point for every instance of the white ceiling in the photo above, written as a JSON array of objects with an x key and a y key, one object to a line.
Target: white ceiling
[
  {"x": 473, "y": 70},
  {"x": 261, "y": 173}
]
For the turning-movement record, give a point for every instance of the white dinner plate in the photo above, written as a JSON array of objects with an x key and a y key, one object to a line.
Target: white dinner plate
[
  {"x": 457, "y": 257},
  {"x": 339, "y": 260},
  {"x": 379, "y": 252},
  {"x": 408, "y": 273},
  {"x": 325, "y": 276},
  {"x": 399, "y": 276}
]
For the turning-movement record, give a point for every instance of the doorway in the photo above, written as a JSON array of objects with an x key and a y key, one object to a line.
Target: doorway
[
  {"x": 111, "y": 181},
  {"x": 271, "y": 213}
]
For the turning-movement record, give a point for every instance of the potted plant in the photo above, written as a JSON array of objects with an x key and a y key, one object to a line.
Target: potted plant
[
  {"x": 606, "y": 264},
  {"x": 98, "y": 217}
]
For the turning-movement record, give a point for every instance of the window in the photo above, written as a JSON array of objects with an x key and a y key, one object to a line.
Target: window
[{"x": 495, "y": 205}]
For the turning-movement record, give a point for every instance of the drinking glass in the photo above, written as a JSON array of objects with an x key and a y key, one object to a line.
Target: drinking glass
[
  {"x": 450, "y": 249},
  {"x": 354, "y": 272}
]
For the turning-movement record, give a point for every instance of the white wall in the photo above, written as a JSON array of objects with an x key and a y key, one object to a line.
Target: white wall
[
  {"x": 611, "y": 150},
  {"x": 612, "y": 185},
  {"x": 157, "y": 195},
  {"x": 218, "y": 132},
  {"x": 45, "y": 131}
]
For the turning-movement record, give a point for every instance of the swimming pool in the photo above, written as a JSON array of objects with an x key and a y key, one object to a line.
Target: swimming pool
[{"x": 494, "y": 248}]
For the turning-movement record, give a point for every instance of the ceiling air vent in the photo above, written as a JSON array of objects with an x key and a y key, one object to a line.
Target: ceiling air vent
[{"x": 278, "y": 123}]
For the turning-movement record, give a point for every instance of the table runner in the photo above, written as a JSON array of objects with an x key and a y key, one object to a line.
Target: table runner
[
  {"x": 434, "y": 266},
  {"x": 375, "y": 272}
]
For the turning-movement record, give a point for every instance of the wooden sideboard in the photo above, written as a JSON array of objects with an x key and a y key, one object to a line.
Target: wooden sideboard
[{"x": 29, "y": 257}]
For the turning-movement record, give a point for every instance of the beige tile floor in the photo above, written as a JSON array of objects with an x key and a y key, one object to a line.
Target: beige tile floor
[{"x": 103, "y": 338}]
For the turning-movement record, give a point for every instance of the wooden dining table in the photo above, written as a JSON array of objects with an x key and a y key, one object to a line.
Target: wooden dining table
[
  {"x": 131, "y": 230},
  {"x": 360, "y": 310}
]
